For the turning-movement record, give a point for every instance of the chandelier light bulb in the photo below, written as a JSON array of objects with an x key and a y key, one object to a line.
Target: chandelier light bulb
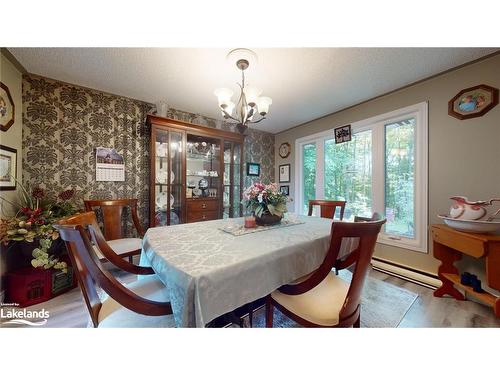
[
  {"x": 263, "y": 103},
  {"x": 229, "y": 108},
  {"x": 223, "y": 95},
  {"x": 251, "y": 95}
]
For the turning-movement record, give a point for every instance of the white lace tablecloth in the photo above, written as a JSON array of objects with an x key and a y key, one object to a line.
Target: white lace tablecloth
[{"x": 210, "y": 272}]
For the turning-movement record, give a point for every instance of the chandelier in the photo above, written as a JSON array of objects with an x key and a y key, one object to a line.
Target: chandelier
[{"x": 250, "y": 108}]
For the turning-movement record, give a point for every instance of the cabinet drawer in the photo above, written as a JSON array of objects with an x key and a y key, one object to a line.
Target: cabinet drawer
[
  {"x": 194, "y": 216},
  {"x": 202, "y": 205},
  {"x": 461, "y": 242}
]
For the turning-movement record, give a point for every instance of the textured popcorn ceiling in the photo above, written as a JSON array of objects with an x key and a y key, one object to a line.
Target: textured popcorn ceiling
[{"x": 304, "y": 83}]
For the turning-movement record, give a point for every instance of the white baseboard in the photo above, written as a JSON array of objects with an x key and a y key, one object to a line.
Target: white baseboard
[{"x": 404, "y": 273}]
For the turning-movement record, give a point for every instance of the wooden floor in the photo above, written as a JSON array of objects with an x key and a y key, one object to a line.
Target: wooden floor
[
  {"x": 429, "y": 311},
  {"x": 68, "y": 310}
]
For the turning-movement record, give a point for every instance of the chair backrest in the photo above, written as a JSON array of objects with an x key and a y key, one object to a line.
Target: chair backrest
[
  {"x": 327, "y": 208},
  {"x": 76, "y": 245},
  {"x": 90, "y": 272},
  {"x": 89, "y": 218},
  {"x": 112, "y": 216},
  {"x": 367, "y": 233},
  {"x": 375, "y": 217}
]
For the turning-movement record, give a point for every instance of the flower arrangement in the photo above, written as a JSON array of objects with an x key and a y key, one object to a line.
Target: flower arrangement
[
  {"x": 265, "y": 200},
  {"x": 33, "y": 221}
]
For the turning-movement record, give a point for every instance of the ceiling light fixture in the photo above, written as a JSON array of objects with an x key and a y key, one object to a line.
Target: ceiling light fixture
[{"x": 250, "y": 101}]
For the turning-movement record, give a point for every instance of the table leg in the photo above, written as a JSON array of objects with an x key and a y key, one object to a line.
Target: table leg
[{"x": 447, "y": 257}]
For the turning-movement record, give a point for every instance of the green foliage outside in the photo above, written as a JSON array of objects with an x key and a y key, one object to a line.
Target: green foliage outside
[
  {"x": 309, "y": 173},
  {"x": 400, "y": 177},
  {"x": 348, "y": 175}
]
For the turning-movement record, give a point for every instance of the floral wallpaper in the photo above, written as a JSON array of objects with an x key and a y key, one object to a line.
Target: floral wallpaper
[{"x": 63, "y": 124}]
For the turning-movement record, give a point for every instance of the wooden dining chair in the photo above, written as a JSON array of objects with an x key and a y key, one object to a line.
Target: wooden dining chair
[
  {"x": 112, "y": 211},
  {"x": 140, "y": 304},
  {"x": 105, "y": 252},
  {"x": 322, "y": 299},
  {"x": 327, "y": 208},
  {"x": 375, "y": 217}
]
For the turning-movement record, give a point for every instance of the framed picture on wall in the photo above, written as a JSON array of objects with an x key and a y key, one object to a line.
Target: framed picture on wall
[
  {"x": 8, "y": 168},
  {"x": 285, "y": 189},
  {"x": 473, "y": 102},
  {"x": 284, "y": 171},
  {"x": 342, "y": 134},
  {"x": 253, "y": 169},
  {"x": 7, "y": 108}
]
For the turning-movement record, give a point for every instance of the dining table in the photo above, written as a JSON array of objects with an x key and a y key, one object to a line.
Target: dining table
[{"x": 209, "y": 271}]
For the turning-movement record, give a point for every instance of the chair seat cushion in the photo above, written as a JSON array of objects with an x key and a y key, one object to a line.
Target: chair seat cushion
[
  {"x": 121, "y": 246},
  {"x": 114, "y": 315},
  {"x": 125, "y": 245},
  {"x": 321, "y": 305}
]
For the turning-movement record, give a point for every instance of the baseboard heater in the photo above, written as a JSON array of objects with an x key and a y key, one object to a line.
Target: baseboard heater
[{"x": 406, "y": 273}]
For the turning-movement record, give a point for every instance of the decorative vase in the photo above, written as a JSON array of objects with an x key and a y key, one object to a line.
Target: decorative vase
[{"x": 268, "y": 219}]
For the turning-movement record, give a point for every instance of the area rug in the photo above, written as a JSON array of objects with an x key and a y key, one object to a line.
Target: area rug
[{"x": 383, "y": 305}]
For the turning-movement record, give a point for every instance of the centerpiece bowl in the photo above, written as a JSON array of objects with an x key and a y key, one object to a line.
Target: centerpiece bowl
[{"x": 268, "y": 219}]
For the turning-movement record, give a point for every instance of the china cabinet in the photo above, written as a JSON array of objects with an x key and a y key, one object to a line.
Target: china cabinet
[{"x": 196, "y": 172}]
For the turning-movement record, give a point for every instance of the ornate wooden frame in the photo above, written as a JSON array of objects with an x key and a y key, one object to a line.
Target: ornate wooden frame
[
  {"x": 9, "y": 97},
  {"x": 460, "y": 116}
]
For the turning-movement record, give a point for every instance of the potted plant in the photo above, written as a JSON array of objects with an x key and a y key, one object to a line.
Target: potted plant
[
  {"x": 30, "y": 231},
  {"x": 266, "y": 202}
]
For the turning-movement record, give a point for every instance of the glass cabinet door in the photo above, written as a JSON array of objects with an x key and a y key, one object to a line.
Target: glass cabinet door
[
  {"x": 203, "y": 168},
  {"x": 232, "y": 180},
  {"x": 237, "y": 206},
  {"x": 167, "y": 201}
]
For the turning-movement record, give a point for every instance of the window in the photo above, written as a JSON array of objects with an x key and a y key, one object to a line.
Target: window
[
  {"x": 383, "y": 169},
  {"x": 400, "y": 178},
  {"x": 348, "y": 173},
  {"x": 309, "y": 172}
]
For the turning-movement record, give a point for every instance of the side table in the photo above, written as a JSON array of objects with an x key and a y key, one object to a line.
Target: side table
[{"x": 449, "y": 245}]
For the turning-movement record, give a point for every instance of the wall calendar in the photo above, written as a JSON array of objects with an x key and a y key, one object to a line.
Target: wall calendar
[{"x": 109, "y": 165}]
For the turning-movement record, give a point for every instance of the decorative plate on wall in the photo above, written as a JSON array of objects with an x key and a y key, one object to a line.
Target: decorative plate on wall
[
  {"x": 473, "y": 102},
  {"x": 7, "y": 108}
]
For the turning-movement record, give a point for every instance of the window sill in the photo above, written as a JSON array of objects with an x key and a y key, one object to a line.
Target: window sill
[{"x": 404, "y": 244}]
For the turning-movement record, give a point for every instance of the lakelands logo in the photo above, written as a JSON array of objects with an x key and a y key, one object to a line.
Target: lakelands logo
[{"x": 10, "y": 314}]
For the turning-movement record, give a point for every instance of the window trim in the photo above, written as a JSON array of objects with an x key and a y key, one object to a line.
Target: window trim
[{"x": 377, "y": 125}]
